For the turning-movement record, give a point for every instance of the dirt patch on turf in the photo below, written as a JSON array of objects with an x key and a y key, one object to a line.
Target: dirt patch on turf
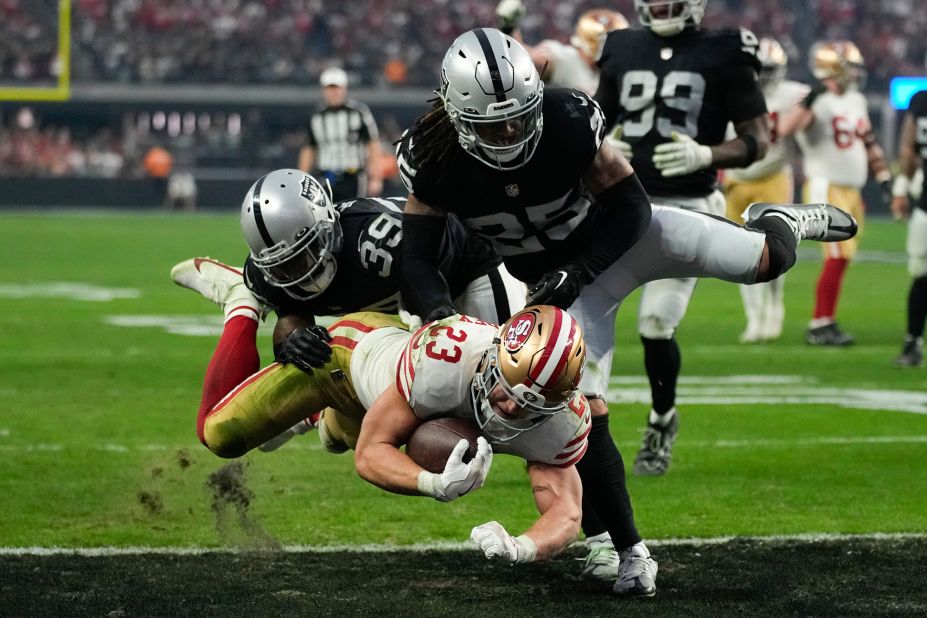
[
  {"x": 231, "y": 505},
  {"x": 150, "y": 501}
]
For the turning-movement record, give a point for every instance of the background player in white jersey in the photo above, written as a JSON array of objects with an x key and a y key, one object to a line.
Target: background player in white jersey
[
  {"x": 839, "y": 149},
  {"x": 767, "y": 180},
  {"x": 561, "y": 65},
  {"x": 672, "y": 88},
  {"x": 912, "y": 156}
]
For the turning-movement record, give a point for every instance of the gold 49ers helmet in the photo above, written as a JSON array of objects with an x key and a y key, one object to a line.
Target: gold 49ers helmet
[
  {"x": 837, "y": 60},
  {"x": 773, "y": 60},
  {"x": 591, "y": 28},
  {"x": 536, "y": 360}
]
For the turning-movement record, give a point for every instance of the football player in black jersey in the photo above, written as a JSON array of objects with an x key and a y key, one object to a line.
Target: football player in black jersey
[
  {"x": 527, "y": 169},
  {"x": 913, "y": 154},
  {"x": 671, "y": 89},
  {"x": 311, "y": 258}
]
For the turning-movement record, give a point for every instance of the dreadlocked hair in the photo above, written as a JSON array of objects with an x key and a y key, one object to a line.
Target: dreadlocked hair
[{"x": 434, "y": 135}]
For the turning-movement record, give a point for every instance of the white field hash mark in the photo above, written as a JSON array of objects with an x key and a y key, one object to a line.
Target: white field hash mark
[
  {"x": 822, "y": 537},
  {"x": 768, "y": 390}
]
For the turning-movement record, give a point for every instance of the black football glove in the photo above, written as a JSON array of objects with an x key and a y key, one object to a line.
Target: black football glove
[
  {"x": 885, "y": 188},
  {"x": 816, "y": 90},
  {"x": 306, "y": 347},
  {"x": 559, "y": 287},
  {"x": 440, "y": 312}
]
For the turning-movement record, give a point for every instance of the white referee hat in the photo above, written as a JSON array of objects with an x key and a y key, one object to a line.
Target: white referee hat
[{"x": 333, "y": 76}]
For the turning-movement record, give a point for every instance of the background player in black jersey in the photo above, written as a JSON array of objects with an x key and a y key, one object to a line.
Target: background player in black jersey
[
  {"x": 527, "y": 169},
  {"x": 310, "y": 257},
  {"x": 672, "y": 88},
  {"x": 912, "y": 155}
]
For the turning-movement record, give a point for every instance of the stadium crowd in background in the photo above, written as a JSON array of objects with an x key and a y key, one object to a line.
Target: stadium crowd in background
[{"x": 148, "y": 41}]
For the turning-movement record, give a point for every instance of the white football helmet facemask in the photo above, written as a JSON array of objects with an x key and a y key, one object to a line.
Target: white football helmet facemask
[
  {"x": 292, "y": 229},
  {"x": 670, "y": 17},
  {"x": 536, "y": 361},
  {"x": 492, "y": 94}
]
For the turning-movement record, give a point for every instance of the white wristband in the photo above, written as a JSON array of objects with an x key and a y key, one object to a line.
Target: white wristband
[
  {"x": 427, "y": 486},
  {"x": 527, "y": 549},
  {"x": 901, "y": 186}
]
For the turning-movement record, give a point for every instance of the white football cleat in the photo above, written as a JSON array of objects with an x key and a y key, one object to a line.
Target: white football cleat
[
  {"x": 821, "y": 221},
  {"x": 219, "y": 283},
  {"x": 752, "y": 334},
  {"x": 637, "y": 573},
  {"x": 601, "y": 563}
]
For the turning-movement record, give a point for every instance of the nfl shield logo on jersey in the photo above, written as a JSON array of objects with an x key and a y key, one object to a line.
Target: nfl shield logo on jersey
[{"x": 511, "y": 190}]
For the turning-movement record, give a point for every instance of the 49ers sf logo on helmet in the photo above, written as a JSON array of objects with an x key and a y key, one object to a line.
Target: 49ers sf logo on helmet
[{"x": 519, "y": 331}]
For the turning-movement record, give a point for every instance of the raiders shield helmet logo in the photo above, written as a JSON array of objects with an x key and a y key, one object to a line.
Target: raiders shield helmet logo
[{"x": 511, "y": 190}]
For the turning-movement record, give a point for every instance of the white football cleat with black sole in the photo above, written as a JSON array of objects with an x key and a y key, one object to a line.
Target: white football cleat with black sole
[
  {"x": 824, "y": 222},
  {"x": 637, "y": 573}
]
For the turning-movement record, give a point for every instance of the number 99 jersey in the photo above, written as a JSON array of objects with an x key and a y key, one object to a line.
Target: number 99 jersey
[
  {"x": 693, "y": 84},
  {"x": 434, "y": 374}
]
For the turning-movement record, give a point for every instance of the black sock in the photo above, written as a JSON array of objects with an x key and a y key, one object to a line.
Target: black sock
[
  {"x": 917, "y": 307},
  {"x": 592, "y": 523},
  {"x": 662, "y": 360},
  {"x": 602, "y": 472},
  {"x": 781, "y": 242}
]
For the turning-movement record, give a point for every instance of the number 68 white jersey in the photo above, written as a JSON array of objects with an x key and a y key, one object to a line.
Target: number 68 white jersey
[{"x": 434, "y": 374}]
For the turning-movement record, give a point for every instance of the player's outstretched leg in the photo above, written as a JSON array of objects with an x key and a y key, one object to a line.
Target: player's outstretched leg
[
  {"x": 219, "y": 283},
  {"x": 821, "y": 221}
]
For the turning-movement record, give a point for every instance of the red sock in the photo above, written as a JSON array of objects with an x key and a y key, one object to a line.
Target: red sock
[
  {"x": 829, "y": 287},
  {"x": 236, "y": 357}
]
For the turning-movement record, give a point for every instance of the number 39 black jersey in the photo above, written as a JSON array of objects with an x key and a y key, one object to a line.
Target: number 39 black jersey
[
  {"x": 368, "y": 270},
  {"x": 693, "y": 84},
  {"x": 536, "y": 216},
  {"x": 918, "y": 110}
]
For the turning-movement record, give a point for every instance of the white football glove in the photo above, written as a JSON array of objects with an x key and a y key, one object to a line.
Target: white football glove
[
  {"x": 509, "y": 14},
  {"x": 495, "y": 542},
  {"x": 458, "y": 478},
  {"x": 614, "y": 140},
  {"x": 681, "y": 156}
]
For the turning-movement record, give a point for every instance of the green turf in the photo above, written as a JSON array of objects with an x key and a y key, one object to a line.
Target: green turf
[{"x": 96, "y": 422}]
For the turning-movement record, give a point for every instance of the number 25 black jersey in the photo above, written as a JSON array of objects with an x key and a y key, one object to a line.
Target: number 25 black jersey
[
  {"x": 693, "y": 84},
  {"x": 368, "y": 263},
  {"x": 918, "y": 110}
]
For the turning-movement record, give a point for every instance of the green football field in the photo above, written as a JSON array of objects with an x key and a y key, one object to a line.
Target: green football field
[{"x": 102, "y": 359}]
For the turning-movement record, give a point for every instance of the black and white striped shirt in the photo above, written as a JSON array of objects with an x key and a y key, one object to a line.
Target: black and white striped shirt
[{"x": 340, "y": 136}]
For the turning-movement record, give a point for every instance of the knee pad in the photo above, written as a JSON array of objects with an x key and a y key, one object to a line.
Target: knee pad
[
  {"x": 658, "y": 320},
  {"x": 655, "y": 327},
  {"x": 781, "y": 242},
  {"x": 917, "y": 266},
  {"x": 327, "y": 435}
]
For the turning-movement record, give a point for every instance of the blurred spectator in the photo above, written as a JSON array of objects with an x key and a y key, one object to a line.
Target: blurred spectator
[{"x": 181, "y": 192}]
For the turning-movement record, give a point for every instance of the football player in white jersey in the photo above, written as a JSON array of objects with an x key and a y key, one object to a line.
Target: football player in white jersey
[
  {"x": 839, "y": 148},
  {"x": 518, "y": 382},
  {"x": 562, "y": 65},
  {"x": 766, "y": 180}
]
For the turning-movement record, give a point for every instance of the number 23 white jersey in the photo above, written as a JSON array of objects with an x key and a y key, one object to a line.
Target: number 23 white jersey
[{"x": 434, "y": 374}]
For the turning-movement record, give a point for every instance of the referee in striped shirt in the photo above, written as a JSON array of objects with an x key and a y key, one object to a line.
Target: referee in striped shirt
[{"x": 342, "y": 141}]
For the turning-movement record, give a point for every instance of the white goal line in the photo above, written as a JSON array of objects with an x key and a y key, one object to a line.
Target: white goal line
[{"x": 437, "y": 546}]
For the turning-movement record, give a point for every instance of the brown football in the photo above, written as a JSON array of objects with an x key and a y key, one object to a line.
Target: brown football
[{"x": 432, "y": 442}]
